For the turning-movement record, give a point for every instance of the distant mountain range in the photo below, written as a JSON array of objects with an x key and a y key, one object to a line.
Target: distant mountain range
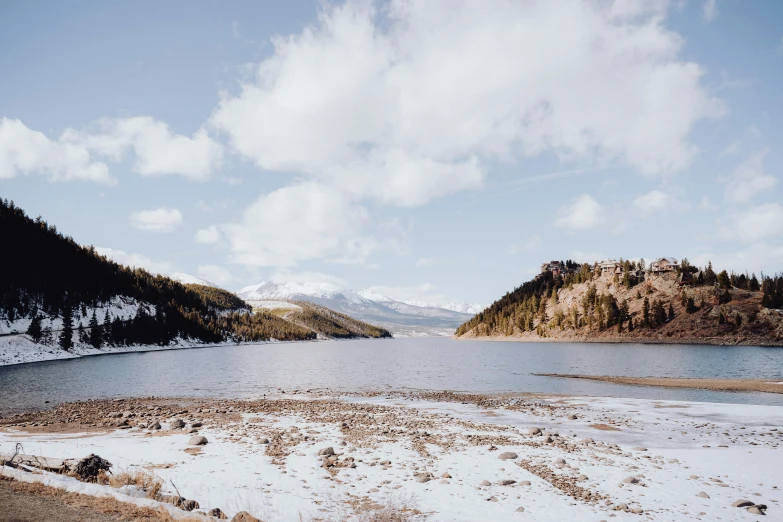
[{"x": 400, "y": 317}]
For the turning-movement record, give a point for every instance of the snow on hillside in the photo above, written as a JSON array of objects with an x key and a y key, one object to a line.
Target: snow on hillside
[
  {"x": 118, "y": 307},
  {"x": 188, "y": 279},
  {"x": 465, "y": 308},
  {"x": 401, "y": 318}
]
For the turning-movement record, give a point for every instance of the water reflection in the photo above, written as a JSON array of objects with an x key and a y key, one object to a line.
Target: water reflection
[{"x": 250, "y": 370}]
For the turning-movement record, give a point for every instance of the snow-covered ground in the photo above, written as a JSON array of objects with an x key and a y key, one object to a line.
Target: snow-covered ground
[
  {"x": 669, "y": 461},
  {"x": 17, "y": 349},
  {"x": 119, "y": 306}
]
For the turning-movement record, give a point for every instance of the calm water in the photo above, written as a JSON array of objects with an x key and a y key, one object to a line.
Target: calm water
[{"x": 442, "y": 364}]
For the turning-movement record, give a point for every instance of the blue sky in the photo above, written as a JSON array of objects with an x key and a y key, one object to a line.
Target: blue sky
[{"x": 435, "y": 151}]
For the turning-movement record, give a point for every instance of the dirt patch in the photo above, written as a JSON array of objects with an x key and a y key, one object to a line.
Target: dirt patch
[{"x": 604, "y": 427}]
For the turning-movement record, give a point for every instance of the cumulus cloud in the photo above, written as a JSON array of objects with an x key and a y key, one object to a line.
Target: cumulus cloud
[
  {"x": 304, "y": 221},
  {"x": 748, "y": 179},
  {"x": 207, "y": 236},
  {"x": 403, "y": 104},
  {"x": 216, "y": 274},
  {"x": 157, "y": 220},
  {"x": 425, "y": 261},
  {"x": 136, "y": 260},
  {"x": 74, "y": 154},
  {"x": 286, "y": 276},
  {"x": 584, "y": 213},
  {"x": 157, "y": 150},
  {"x": 657, "y": 201},
  {"x": 753, "y": 224},
  {"x": 709, "y": 10},
  {"x": 25, "y": 151},
  {"x": 756, "y": 258}
]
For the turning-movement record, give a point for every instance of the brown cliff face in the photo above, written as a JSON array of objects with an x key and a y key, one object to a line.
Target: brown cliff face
[{"x": 742, "y": 320}]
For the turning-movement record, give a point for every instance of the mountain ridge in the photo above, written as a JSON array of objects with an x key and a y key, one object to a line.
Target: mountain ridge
[{"x": 400, "y": 317}]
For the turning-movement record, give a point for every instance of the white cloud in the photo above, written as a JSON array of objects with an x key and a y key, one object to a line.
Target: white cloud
[
  {"x": 216, "y": 274},
  {"x": 286, "y": 276},
  {"x": 157, "y": 220},
  {"x": 207, "y": 236},
  {"x": 26, "y": 151},
  {"x": 707, "y": 204},
  {"x": 584, "y": 213},
  {"x": 657, "y": 201},
  {"x": 403, "y": 103},
  {"x": 425, "y": 261},
  {"x": 157, "y": 150},
  {"x": 425, "y": 292},
  {"x": 300, "y": 222},
  {"x": 757, "y": 258},
  {"x": 136, "y": 260},
  {"x": 753, "y": 224},
  {"x": 709, "y": 10},
  {"x": 748, "y": 179}
]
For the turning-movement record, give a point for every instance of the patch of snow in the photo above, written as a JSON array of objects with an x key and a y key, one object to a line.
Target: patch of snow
[{"x": 188, "y": 279}]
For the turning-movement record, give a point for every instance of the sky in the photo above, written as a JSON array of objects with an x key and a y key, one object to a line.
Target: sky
[{"x": 437, "y": 151}]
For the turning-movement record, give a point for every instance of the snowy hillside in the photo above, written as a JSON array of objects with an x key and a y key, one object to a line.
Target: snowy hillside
[
  {"x": 401, "y": 318},
  {"x": 188, "y": 279}
]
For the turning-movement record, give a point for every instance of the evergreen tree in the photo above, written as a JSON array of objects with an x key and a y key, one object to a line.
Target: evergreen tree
[
  {"x": 754, "y": 285},
  {"x": 81, "y": 334},
  {"x": 723, "y": 280},
  {"x": 721, "y": 318},
  {"x": 96, "y": 332},
  {"x": 630, "y": 324},
  {"x": 709, "y": 275},
  {"x": 34, "y": 330},
  {"x": 690, "y": 306},
  {"x": 646, "y": 312},
  {"x": 66, "y": 334},
  {"x": 106, "y": 328},
  {"x": 671, "y": 312},
  {"x": 46, "y": 335}
]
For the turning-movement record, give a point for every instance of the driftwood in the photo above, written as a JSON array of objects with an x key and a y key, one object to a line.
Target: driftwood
[{"x": 44, "y": 463}]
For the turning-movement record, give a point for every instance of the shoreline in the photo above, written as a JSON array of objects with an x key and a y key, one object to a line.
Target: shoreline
[
  {"x": 723, "y": 385},
  {"x": 94, "y": 352},
  {"x": 688, "y": 341},
  {"x": 441, "y": 456}
]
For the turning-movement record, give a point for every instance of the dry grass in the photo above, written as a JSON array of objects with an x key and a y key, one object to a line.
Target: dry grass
[
  {"x": 103, "y": 505},
  {"x": 142, "y": 479}
]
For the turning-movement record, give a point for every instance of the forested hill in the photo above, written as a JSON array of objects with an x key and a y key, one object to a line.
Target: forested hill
[
  {"x": 62, "y": 294},
  {"x": 628, "y": 302}
]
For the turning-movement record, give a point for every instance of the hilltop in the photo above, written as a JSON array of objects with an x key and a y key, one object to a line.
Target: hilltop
[
  {"x": 623, "y": 301},
  {"x": 61, "y": 299}
]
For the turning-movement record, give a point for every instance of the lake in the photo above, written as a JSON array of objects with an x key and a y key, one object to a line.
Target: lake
[{"x": 395, "y": 364}]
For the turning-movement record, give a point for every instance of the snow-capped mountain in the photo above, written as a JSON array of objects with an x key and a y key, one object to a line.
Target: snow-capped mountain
[
  {"x": 187, "y": 279},
  {"x": 402, "y": 318}
]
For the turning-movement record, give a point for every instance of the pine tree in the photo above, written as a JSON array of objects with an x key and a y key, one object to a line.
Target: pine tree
[
  {"x": 723, "y": 280},
  {"x": 721, "y": 318},
  {"x": 630, "y": 324},
  {"x": 34, "y": 330},
  {"x": 646, "y": 313},
  {"x": 671, "y": 312},
  {"x": 81, "y": 334},
  {"x": 96, "y": 332},
  {"x": 66, "y": 334},
  {"x": 709, "y": 275},
  {"x": 106, "y": 328}
]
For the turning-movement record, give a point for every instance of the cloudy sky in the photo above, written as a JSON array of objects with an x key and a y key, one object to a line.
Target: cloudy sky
[{"x": 434, "y": 150}]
